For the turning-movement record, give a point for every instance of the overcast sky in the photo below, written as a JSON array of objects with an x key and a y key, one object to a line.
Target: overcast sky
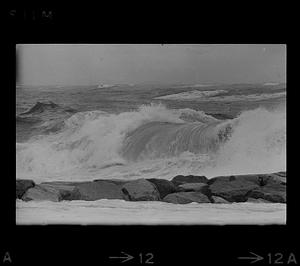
[{"x": 93, "y": 64}]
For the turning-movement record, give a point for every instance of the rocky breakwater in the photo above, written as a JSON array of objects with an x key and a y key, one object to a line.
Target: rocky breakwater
[{"x": 256, "y": 188}]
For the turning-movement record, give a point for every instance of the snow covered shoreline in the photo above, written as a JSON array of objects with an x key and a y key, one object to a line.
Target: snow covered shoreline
[{"x": 120, "y": 212}]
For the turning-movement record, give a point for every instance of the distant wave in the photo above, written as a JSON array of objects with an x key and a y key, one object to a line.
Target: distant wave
[
  {"x": 219, "y": 95},
  {"x": 156, "y": 141},
  {"x": 42, "y": 118},
  {"x": 40, "y": 107},
  {"x": 191, "y": 95}
]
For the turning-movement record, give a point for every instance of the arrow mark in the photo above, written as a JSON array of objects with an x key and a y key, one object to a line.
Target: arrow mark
[
  {"x": 127, "y": 257},
  {"x": 255, "y": 258}
]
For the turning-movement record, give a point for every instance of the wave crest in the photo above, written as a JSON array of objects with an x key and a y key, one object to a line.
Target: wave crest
[{"x": 187, "y": 141}]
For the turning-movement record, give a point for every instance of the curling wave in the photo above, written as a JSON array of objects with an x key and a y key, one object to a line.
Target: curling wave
[{"x": 157, "y": 142}]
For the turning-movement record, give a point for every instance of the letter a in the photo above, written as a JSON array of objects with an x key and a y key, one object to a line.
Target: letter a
[
  {"x": 292, "y": 258},
  {"x": 7, "y": 258}
]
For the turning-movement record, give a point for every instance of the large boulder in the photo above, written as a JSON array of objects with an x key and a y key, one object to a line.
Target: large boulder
[
  {"x": 258, "y": 179},
  {"x": 186, "y": 197},
  {"x": 180, "y": 179},
  {"x": 270, "y": 187},
  {"x": 51, "y": 192},
  {"x": 163, "y": 186},
  {"x": 233, "y": 191},
  {"x": 140, "y": 190},
  {"x": 188, "y": 187},
  {"x": 273, "y": 192},
  {"x": 99, "y": 190},
  {"x": 114, "y": 181},
  {"x": 22, "y": 185},
  {"x": 279, "y": 177}
]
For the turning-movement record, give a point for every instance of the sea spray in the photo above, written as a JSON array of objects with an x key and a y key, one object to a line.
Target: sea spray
[{"x": 155, "y": 141}]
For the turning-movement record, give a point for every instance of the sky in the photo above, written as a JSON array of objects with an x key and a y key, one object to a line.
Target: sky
[{"x": 80, "y": 64}]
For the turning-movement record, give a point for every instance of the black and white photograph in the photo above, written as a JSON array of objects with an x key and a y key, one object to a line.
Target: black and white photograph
[{"x": 151, "y": 134}]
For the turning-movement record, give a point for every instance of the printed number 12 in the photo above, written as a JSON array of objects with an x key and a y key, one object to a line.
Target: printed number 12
[{"x": 148, "y": 258}]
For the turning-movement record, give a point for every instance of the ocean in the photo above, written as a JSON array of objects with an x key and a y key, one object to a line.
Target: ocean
[{"x": 130, "y": 131}]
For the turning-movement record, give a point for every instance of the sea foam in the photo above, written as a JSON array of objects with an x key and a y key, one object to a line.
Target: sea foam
[{"x": 155, "y": 141}]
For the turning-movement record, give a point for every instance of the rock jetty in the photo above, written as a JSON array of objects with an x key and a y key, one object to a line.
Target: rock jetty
[{"x": 255, "y": 188}]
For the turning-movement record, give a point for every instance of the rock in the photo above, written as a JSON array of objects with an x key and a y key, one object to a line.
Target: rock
[
  {"x": 259, "y": 200},
  {"x": 279, "y": 177},
  {"x": 22, "y": 185},
  {"x": 180, "y": 179},
  {"x": 216, "y": 199},
  {"x": 268, "y": 179},
  {"x": 201, "y": 187},
  {"x": 249, "y": 178},
  {"x": 95, "y": 190},
  {"x": 38, "y": 193},
  {"x": 140, "y": 190},
  {"x": 99, "y": 190},
  {"x": 163, "y": 186},
  {"x": 51, "y": 192},
  {"x": 233, "y": 191},
  {"x": 273, "y": 192},
  {"x": 114, "y": 181},
  {"x": 258, "y": 179},
  {"x": 186, "y": 197}
]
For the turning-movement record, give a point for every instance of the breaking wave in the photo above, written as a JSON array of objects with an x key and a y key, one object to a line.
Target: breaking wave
[{"x": 155, "y": 141}]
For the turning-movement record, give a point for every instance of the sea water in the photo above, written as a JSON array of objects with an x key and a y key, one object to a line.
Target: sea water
[{"x": 149, "y": 131}]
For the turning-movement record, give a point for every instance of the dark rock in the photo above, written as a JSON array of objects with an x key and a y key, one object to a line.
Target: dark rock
[
  {"x": 273, "y": 192},
  {"x": 200, "y": 187},
  {"x": 99, "y": 190},
  {"x": 186, "y": 197},
  {"x": 114, "y": 181},
  {"x": 233, "y": 191},
  {"x": 95, "y": 190},
  {"x": 163, "y": 186},
  {"x": 279, "y": 177},
  {"x": 51, "y": 192},
  {"x": 22, "y": 185},
  {"x": 258, "y": 179},
  {"x": 249, "y": 178},
  {"x": 268, "y": 179},
  {"x": 140, "y": 190},
  {"x": 270, "y": 187},
  {"x": 216, "y": 199},
  {"x": 65, "y": 183},
  {"x": 180, "y": 179}
]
